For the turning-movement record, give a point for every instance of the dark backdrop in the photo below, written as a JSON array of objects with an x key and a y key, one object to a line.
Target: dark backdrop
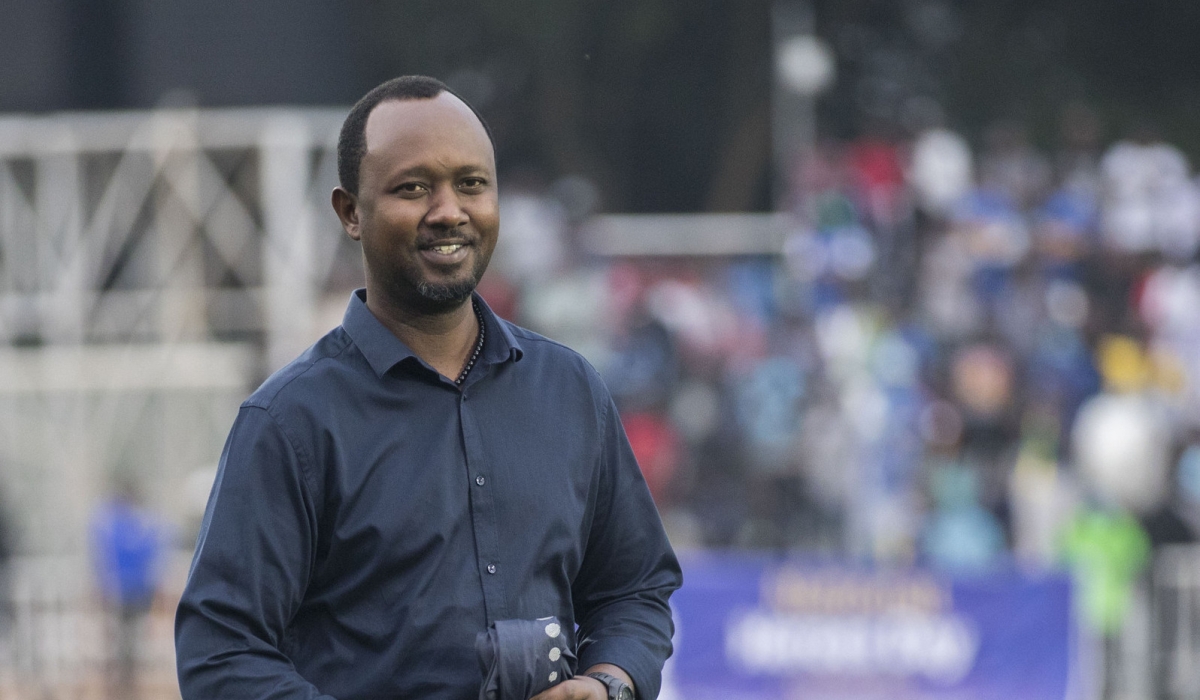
[{"x": 663, "y": 103}]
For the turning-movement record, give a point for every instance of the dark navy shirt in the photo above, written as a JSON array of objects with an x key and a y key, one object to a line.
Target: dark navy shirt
[{"x": 369, "y": 519}]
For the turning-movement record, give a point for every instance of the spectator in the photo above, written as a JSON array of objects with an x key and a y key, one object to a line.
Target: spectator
[
  {"x": 127, "y": 545},
  {"x": 941, "y": 170},
  {"x": 1151, "y": 205},
  {"x": 1122, "y": 436},
  {"x": 961, "y": 537},
  {"x": 1011, "y": 166},
  {"x": 1077, "y": 163}
]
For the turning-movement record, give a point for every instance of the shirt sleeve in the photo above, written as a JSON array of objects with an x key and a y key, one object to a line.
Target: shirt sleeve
[
  {"x": 628, "y": 572},
  {"x": 251, "y": 567}
]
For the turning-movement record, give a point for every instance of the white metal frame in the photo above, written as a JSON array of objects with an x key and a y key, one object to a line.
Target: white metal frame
[{"x": 142, "y": 277}]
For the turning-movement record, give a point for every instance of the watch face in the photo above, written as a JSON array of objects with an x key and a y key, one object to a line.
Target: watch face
[{"x": 625, "y": 693}]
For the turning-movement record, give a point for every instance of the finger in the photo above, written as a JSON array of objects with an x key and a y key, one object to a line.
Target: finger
[
  {"x": 555, "y": 693},
  {"x": 573, "y": 689}
]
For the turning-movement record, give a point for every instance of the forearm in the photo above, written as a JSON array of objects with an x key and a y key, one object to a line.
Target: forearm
[
  {"x": 627, "y": 622},
  {"x": 639, "y": 661},
  {"x": 629, "y": 571},
  {"x": 613, "y": 670},
  {"x": 217, "y": 660}
]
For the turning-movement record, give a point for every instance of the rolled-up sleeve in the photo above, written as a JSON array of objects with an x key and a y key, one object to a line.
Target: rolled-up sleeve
[
  {"x": 628, "y": 573},
  {"x": 252, "y": 564}
]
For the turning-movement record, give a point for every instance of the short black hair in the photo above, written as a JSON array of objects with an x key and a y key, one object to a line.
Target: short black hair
[{"x": 352, "y": 141}]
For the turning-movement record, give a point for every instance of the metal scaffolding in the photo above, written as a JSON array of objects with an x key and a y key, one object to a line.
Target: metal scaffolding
[{"x": 154, "y": 266}]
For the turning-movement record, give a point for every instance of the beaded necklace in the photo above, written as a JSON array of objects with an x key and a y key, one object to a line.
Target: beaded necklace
[{"x": 462, "y": 376}]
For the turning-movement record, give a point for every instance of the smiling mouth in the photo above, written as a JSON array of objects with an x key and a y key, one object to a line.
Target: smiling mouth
[{"x": 442, "y": 253}]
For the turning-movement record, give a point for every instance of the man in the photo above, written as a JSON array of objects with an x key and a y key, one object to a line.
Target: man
[{"x": 426, "y": 468}]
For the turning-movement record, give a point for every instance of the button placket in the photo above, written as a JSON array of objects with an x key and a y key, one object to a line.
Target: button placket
[{"x": 483, "y": 518}]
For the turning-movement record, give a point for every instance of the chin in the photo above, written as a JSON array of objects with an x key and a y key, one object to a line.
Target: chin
[{"x": 448, "y": 293}]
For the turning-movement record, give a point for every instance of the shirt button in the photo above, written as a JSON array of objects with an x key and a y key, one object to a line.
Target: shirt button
[
  {"x": 491, "y": 568},
  {"x": 480, "y": 481}
]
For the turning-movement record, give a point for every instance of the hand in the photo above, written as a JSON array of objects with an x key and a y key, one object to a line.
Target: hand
[{"x": 577, "y": 688}]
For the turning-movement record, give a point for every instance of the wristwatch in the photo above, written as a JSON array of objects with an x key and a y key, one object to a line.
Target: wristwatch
[{"x": 617, "y": 690}]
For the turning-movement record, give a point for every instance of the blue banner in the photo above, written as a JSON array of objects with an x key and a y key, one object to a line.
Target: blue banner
[{"x": 757, "y": 629}]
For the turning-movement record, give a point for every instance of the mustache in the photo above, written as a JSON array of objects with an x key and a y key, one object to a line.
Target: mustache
[{"x": 458, "y": 234}]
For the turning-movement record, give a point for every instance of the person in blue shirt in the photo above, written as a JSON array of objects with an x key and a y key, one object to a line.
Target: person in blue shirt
[
  {"x": 127, "y": 546},
  {"x": 425, "y": 469}
]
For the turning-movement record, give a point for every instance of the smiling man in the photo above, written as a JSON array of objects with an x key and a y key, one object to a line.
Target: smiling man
[{"x": 424, "y": 470}]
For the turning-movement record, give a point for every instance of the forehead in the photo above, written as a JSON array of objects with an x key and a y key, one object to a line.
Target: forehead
[{"x": 440, "y": 129}]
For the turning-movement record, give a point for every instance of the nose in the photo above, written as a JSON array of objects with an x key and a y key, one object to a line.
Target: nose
[{"x": 445, "y": 211}]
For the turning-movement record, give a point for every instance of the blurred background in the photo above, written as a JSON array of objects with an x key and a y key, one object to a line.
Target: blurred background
[{"x": 899, "y": 301}]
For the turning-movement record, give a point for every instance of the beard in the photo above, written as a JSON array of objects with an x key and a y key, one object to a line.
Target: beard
[
  {"x": 435, "y": 296},
  {"x": 447, "y": 294}
]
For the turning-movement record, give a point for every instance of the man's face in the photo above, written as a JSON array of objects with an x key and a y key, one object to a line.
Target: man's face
[{"x": 427, "y": 211}]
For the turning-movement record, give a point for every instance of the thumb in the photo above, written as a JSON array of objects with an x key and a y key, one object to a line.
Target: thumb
[{"x": 577, "y": 688}]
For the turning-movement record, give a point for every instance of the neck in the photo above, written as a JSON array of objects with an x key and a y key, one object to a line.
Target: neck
[{"x": 444, "y": 339}]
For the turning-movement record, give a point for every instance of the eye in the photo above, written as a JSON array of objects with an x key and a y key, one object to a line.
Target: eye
[
  {"x": 409, "y": 189},
  {"x": 473, "y": 184}
]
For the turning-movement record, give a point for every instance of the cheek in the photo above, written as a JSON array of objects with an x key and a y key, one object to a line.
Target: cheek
[
  {"x": 487, "y": 220},
  {"x": 393, "y": 224},
  {"x": 399, "y": 213}
]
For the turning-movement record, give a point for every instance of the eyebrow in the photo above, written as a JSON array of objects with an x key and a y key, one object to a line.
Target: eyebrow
[{"x": 424, "y": 171}]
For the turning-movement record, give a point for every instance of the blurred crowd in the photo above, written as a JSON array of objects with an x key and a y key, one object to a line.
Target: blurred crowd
[{"x": 967, "y": 357}]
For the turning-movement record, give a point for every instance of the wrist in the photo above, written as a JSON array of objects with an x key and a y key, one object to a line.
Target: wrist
[
  {"x": 597, "y": 690},
  {"x": 615, "y": 688}
]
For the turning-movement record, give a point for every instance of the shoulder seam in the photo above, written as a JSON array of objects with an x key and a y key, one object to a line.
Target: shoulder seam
[
  {"x": 526, "y": 334},
  {"x": 265, "y": 404},
  {"x": 304, "y": 458}
]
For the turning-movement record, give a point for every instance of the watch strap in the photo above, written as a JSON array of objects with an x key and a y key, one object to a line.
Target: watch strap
[{"x": 617, "y": 688}]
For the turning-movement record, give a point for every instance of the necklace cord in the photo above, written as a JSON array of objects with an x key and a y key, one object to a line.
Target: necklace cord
[{"x": 462, "y": 376}]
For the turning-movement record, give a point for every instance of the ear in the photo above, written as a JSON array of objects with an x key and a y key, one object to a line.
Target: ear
[{"x": 345, "y": 205}]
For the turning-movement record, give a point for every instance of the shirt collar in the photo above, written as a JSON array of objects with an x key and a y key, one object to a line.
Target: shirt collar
[{"x": 384, "y": 350}]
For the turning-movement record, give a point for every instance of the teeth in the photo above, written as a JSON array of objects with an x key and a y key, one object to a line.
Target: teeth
[{"x": 447, "y": 249}]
